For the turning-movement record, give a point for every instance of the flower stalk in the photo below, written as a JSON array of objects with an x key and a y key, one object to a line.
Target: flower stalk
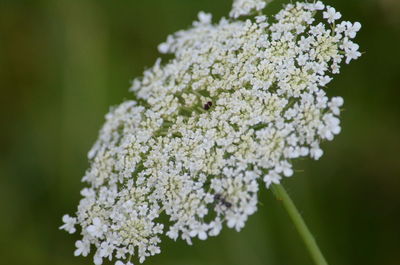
[{"x": 298, "y": 221}]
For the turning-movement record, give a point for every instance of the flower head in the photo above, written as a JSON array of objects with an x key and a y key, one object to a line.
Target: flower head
[
  {"x": 331, "y": 15},
  {"x": 240, "y": 100},
  {"x": 247, "y": 7},
  {"x": 69, "y": 224}
]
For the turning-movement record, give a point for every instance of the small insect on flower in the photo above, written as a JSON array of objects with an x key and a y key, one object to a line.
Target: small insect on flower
[
  {"x": 208, "y": 105},
  {"x": 220, "y": 199}
]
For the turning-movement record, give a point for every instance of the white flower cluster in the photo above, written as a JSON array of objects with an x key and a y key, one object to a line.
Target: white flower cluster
[
  {"x": 247, "y": 7},
  {"x": 239, "y": 101}
]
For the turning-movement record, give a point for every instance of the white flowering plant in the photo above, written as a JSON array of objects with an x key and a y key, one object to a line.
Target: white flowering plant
[{"x": 239, "y": 101}]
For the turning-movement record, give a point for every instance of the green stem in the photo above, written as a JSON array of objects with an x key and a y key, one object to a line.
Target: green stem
[{"x": 281, "y": 194}]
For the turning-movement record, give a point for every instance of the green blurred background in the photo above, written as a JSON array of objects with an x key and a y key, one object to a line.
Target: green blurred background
[{"x": 64, "y": 63}]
